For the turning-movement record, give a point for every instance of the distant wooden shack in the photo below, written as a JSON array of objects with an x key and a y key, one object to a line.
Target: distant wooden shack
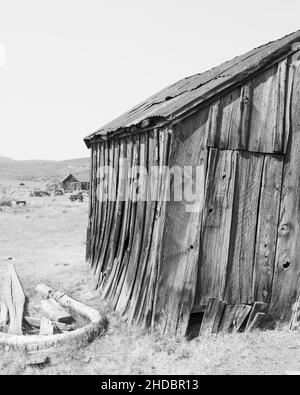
[
  {"x": 66, "y": 182},
  {"x": 74, "y": 183},
  {"x": 82, "y": 184},
  {"x": 158, "y": 261}
]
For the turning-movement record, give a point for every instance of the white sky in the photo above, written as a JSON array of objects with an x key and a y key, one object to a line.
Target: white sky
[{"x": 73, "y": 65}]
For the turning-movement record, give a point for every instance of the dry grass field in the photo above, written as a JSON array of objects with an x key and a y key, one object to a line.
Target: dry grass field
[{"x": 46, "y": 241}]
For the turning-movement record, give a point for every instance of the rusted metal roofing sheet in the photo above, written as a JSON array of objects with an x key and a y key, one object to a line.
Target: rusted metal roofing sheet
[{"x": 176, "y": 99}]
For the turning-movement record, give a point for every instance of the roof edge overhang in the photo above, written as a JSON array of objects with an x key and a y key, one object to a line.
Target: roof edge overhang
[{"x": 142, "y": 126}]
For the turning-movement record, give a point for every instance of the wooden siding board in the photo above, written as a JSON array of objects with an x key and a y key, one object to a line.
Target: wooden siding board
[
  {"x": 181, "y": 235},
  {"x": 212, "y": 316},
  {"x": 281, "y": 88},
  {"x": 243, "y": 229},
  {"x": 155, "y": 252},
  {"x": 93, "y": 202},
  {"x": 287, "y": 267},
  {"x": 212, "y": 128},
  {"x": 266, "y": 237},
  {"x": 229, "y": 117},
  {"x": 267, "y": 110},
  {"x": 119, "y": 218},
  {"x": 118, "y": 272},
  {"x": 108, "y": 185},
  {"x": 110, "y": 231},
  {"x": 252, "y": 117},
  {"x": 216, "y": 227},
  {"x": 239, "y": 136},
  {"x": 234, "y": 118},
  {"x": 138, "y": 310},
  {"x": 121, "y": 292},
  {"x": 101, "y": 205},
  {"x": 131, "y": 275}
]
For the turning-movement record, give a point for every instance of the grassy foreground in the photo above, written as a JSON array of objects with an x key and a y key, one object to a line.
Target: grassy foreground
[{"x": 46, "y": 241}]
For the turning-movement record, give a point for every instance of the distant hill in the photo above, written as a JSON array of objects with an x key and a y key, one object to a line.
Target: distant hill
[{"x": 42, "y": 170}]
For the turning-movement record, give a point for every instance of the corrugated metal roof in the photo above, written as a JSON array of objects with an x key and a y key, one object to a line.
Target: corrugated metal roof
[{"x": 194, "y": 90}]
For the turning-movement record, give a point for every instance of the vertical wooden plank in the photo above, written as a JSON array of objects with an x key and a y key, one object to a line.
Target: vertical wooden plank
[
  {"x": 101, "y": 188},
  {"x": 119, "y": 221},
  {"x": 228, "y": 123},
  {"x": 139, "y": 311},
  {"x": 212, "y": 315},
  {"x": 239, "y": 132},
  {"x": 287, "y": 267},
  {"x": 267, "y": 114},
  {"x": 266, "y": 237},
  {"x": 154, "y": 258},
  {"x": 111, "y": 220},
  {"x": 281, "y": 84},
  {"x": 218, "y": 317},
  {"x": 229, "y": 119},
  {"x": 181, "y": 235},
  {"x": 102, "y": 247},
  {"x": 116, "y": 214},
  {"x": 112, "y": 284},
  {"x": 91, "y": 202},
  {"x": 93, "y": 206},
  {"x": 120, "y": 301},
  {"x": 243, "y": 229},
  {"x": 263, "y": 113},
  {"x": 215, "y": 233},
  {"x": 142, "y": 225},
  {"x": 212, "y": 128},
  {"x": 288, "y": 104},
  {"x": 136, "y": 231},
  {"x": 141, "y": 264}
]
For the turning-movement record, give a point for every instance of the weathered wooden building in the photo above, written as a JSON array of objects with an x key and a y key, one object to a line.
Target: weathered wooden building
[
  {"x": 74, "y": 183},
  {"x": 82, "y": 183},
  {"x": 157, "y": 261},
  {"x": 67, "y": 181}
]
